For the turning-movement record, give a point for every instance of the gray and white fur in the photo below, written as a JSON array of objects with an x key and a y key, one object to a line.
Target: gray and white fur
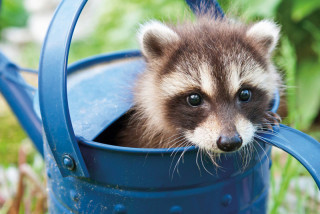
[{"x": 215, "y": 64}]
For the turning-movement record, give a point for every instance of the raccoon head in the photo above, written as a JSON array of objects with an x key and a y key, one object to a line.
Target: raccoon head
[{"x": 211, "y": 81}]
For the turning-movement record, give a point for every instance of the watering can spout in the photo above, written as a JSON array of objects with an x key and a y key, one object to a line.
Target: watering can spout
[{"x": 19, "y": 96}]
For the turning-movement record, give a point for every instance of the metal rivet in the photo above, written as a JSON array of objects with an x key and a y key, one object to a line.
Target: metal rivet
[
  {"x": 226, "y": 200},
  {"x": 68, "y": 162},
  {"x": 176, "y": 210},
  {"x": 74, "y": 195},
  {"x": 119, "y": 209}
]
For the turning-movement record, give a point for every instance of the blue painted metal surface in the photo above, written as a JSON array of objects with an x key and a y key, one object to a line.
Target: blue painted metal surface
[
  {"x": 88, "y": 176},
  {"x": 105, "y": 86},
  {"x": 145, "y": 181},
  {"x": 52, "y": 80},
  {"x": 18, "y": 95},
  {"x": 203, "y": 6},
  {"x": 301, "y": 146}
]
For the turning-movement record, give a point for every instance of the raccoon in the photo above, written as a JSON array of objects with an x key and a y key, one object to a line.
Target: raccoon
[{"x": 207, "y": 83}]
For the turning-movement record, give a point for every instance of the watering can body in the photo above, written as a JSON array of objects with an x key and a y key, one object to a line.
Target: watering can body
[{"x": 88, "y": 174}]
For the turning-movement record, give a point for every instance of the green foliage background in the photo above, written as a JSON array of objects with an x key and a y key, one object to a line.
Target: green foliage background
[
  {"x": 297, "y": 57},
  {"x": 12, "y": 14}
]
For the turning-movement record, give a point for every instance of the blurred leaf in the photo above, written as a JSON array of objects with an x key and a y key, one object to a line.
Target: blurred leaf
[
  {"x": 308, "y": 92},
  {"x": 315, "y": 32},
  {"x": 12, "y": 13},
  {"x": 287, "y": 62},
  {"x": 301, "y": 9},
  {"x": 11, "y": 135},
  {"x": 261, "y": 8},
  {"x": 118, "y": 26},
  {"x": 315, "y": 134}
]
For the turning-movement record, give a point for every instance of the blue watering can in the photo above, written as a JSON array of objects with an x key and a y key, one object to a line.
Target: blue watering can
[{"x": 72, "y": 127}]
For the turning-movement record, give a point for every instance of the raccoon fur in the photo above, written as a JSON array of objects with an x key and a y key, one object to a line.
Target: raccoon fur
[{"x": 207, "y": 83}]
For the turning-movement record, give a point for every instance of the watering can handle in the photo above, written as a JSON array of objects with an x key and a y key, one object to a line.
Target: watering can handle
[
  {"x": 299, "y": 145},
  {"x": 52, "y": 81},
  {"x": 53, "y": 90}
]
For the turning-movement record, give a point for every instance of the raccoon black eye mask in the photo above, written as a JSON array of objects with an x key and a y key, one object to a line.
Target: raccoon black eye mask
[{"x": 207, "y": 83}]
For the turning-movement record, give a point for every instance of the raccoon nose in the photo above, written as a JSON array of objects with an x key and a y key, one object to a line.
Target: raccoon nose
[{"x": 229, "y": 144}]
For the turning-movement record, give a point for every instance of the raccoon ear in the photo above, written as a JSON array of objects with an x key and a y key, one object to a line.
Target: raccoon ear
[
  {"x": 155, "y": 37},
  {"x": 266, "y": 34}
]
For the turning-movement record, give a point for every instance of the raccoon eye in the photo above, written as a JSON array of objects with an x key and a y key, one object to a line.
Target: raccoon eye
[
  {"x": 194, "y": 100},
  {"x": 245, "y": 95}
]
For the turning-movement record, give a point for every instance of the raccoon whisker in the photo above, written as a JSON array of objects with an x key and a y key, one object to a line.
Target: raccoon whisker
[
  {"x": 178, "y": 145},
  {"x": 198, "y": 162},
  {"x": 261, "y": 128},
  {"x": 265, "y": 140},
  {"x": 266, "y": 124},
  {"x": 261, "y": 146},
  {"x": 181, "y": 156},
  {"x": 218, "y": 160},
  {"x": 212, "y": 157},
  {"x": 177, "y": 140},
  {"x": 237, "y": 159},
  {"x": 161, "y": 141},
  {"x": 175, "y": 153},
  {"x": 218, "y": 156},
  {"x": 172, "y": 136},
  {"x": 250, "y": 152},
  {"x": 253, "y": 145},
  {"x": 285, "y": 128},
  {"x": 201, "y": 154},
  {"x": 273, "y": 134},
  {"x": 244, "y": 157}
]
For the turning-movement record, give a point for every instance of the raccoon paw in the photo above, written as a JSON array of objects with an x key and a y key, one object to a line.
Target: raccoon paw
[{"x": 270, "y": 120}]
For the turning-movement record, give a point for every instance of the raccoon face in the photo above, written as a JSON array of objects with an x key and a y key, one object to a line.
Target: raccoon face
[{"x": 211, "y": 81}]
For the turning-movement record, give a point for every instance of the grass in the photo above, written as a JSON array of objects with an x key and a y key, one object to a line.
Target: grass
[
  {"x": 11, "y": 136},
  {"x": 287, "y": 193}
]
